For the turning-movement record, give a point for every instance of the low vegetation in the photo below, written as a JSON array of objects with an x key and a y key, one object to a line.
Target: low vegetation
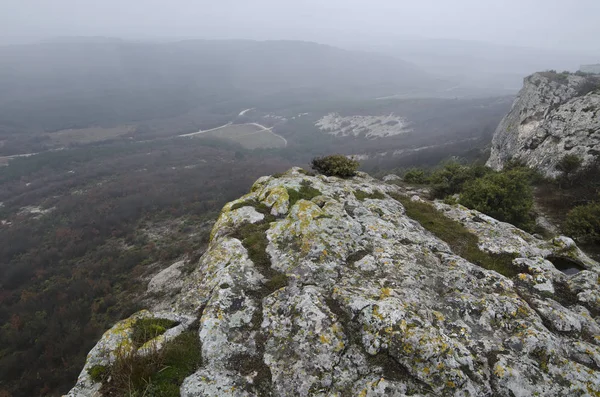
[
  {"x": 120, "y": 213},
  {"x": 254, "y": 239},
  {"x": 362, "y": 196},
  {"x": 553, "y": 75},
  {"x": 461, "y": 241},
  {"x": 160, "y": 372},
  {"x": 583, "y": 223},
  {"x": 571, "y": 200},
  {"x": 146, "y": 329},
  {"x": 306, "y": 192},
  {"x": 569, "y": 165},
  {"x": 506, "y": 196},
  {"x": 335, "y": 165},
  {"x": 416, "y": 176}
]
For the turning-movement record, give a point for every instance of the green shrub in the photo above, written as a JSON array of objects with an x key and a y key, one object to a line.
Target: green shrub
[
  {"x": 417, "y": 176},
  {"x": 583, "y": 223},
  {"x": 335, "y": 165},
  {"x": 452, "y": 177},
  {"x": 533, "y": 176},
  {"x": 506, "y": 196},
  {"x": 450, "y": 200},
  {"x": 569, "y": 165}
]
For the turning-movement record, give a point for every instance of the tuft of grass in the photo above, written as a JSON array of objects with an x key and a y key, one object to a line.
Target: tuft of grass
[
  {"x": 258, "y": 206},
  {"x": 146, "y": 329},
  {"x": 254, "y": 239},
  {"x": 460, "y": 239},
  {"x": 160, "y": 373},
  {"x": 306, "y": 192},
  {"x": 98, "y": 373},
  {"x": 362, "y": 196}
]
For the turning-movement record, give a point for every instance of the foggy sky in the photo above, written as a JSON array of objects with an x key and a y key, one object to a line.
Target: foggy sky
[{"x": 558, "y": 24}]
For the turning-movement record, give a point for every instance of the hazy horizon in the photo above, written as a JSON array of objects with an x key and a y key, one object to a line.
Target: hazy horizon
[{"x": 535, "y": 24}]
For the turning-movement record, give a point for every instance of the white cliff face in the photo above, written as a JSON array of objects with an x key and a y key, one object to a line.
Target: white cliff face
[
  {"x": 354, "y": 298},
  {"x": 549, "y": 119}
]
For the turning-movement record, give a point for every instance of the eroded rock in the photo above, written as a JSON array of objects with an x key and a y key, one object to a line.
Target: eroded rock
[
  {"x": 553, "y": 115},
  {"x": 351, "y": 297}
]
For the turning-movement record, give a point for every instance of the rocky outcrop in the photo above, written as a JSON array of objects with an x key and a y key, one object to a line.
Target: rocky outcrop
[
  {"x": 594, "y": 68},
  {"x": 554, "y": 115},
  {"x": 320, "y": 286}
]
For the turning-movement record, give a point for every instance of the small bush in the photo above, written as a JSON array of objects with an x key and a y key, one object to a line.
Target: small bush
[
  {"x": 417, "y": 176},
  {"x": 591, "y": 84},
  {"x": 583, "y": 223},
  {"x": 533, "y": 176},
  {"x": 506, "y": 196},
  {"x": 452, "y": 177},
  {"x": 335, "y": 165},
  {"x": 569, "y": 165},
  {"x": 553, "y": 75}
]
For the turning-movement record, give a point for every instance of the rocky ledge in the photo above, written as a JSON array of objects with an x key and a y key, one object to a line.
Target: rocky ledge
[
  {"x": 320, "y": 286},
  {"x": 554, "y": 115}
]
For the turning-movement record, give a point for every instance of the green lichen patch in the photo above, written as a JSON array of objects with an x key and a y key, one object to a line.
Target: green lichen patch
[
  {"x": 460, "y": 239},
  {"x": 362, "y": 196},
  {"x": 306, "y": 192},
  {"x": 146, "y": 329}
]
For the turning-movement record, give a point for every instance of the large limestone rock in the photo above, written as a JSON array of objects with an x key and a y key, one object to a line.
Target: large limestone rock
[
  {"x": 550, "y": 118},
  {"x": 353, "y": 298}
]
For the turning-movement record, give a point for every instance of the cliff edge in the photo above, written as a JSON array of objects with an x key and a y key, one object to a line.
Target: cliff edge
[
  {"x": 320, "y": 286},
  {"x": 554, "y": 114}
]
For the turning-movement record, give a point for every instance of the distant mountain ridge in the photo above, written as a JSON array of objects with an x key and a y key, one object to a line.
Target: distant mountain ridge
[{"x": 135, "y": 79}]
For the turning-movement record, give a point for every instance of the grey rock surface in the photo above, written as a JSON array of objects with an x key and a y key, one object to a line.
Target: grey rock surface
[
  {"x": 360, "y": 300},
  {"x": 550, "y": 118}
]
